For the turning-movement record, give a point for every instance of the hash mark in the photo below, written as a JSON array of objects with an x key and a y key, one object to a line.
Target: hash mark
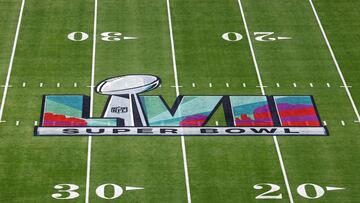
[
  {"x": 328, "y": 84},
  {"x": 294, "y": 84},
  {"x": 75, "y": 84},
  {"x": 343, "y": 123},
  {"x": 227, "y": 85},
  {"x": 324, "y": 122},
  {"x": 261, "y": 86},
  {"x": 346, "y": 86},
  {"x": 41, "y": 84},
  {"x": 244, "y": 84},
  {"x": 58, "y": 84},
  {"x": 17, "y": 123},
  {"x": 24, "y": 84},
  {"x": 277, "y": 84},
  {"x": 35, "y": 123},
  {"x": 193, "y": 84},
  {"x": 210, "y": 84},
  {"x": 216, "y": 123},
  {"x": 311, "y": 85}
]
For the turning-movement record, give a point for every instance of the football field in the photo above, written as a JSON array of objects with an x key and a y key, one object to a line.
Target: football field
[{"x": 204, "y": 47}]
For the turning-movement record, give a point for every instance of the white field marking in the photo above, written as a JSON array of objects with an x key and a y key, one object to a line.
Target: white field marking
[
  {"x": 130, "y": 38},
  {"x": 335, "y": 62},
  {"x": 324, "y": 122},
  {"x": 263, "y": 93},
  {"x": 216, "y": 123},
  {"x": 57, "y": 84},
  {"x": 17, "y": 123},
  {"x": 129, "y": 188},
  {"x": 227, "y": 85},
  {"x": 11, "y": 60},
  {"x": 331, "y": 188},
  {"x": 41, "y": 84},
  {"x": 294, "y": 84},
  {"x": 160, "y": 85},
  {"x": 328, "y": 85},
  {"x": 2, "y": 121},
  {"x": 35, "y": 123},
  {"x": 346, "y": 86},
  {"x": 193, "y": 85},
  {"x": 92, "y": 84},
  {"x": 183, "y": 147},
  {"x": 7, "y": 86},
  {"x": 24, "y": 84},
  {"x": 75, "y": 84},
  {"x": 210, "y": 84},
  {"x": 244, "y": 84},
  {"x": 177, "y": 86},
  {"x": 343, "y": 123},
  {"x": 284, "y": 38},
  {"x": 277, "y": 84},
  {"x": 261, "y": 86},
  {"x": 311, "y": 85}
]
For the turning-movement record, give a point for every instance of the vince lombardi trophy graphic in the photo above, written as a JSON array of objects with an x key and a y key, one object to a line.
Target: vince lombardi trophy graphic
[{"x": 123, "y": 102}]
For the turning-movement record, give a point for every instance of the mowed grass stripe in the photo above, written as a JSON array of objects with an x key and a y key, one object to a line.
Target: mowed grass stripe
[
  {"x": 13, "y": 51},
  {"x": 32, "y": 166},
  {"x": 154, "y": 163},
  {"x": 303, "y": 59},
  {"x": 221, "y": 169},
  {"x": 9, "y": 15},
  {"x": 182, "y": 138},
  {"x": 276, "y": 143}
]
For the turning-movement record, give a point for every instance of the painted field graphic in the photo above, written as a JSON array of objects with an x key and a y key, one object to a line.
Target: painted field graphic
[
  {"x": 296, "y": 111},
  {"x": 251, "y": 111},
  {"x": 70, "y": 110}
]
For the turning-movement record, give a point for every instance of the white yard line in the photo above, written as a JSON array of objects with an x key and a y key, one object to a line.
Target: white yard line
[
  {"x": 336, "y": 62},
  {"x": 88, "y": 165},
  {"x": 263, "y": 93},
  {"x": 11, "y": 60},
  {"x": 183, "y": 147}
]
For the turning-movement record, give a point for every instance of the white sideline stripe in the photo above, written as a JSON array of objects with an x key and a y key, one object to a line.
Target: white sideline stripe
[
  {"x": 88, "y": 163},
  {"x": 335, "y": 61},
  {"x": 263, "y": 93},
  {"x": 11, "y": 60},
  {"x": 183, "y": 147}
]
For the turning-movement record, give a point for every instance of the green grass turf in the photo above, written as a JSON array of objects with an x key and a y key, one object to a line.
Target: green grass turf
[{"x": 221, "y": 169}]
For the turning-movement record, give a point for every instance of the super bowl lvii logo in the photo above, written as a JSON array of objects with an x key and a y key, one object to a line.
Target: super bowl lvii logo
[{"x": 128, "y": 113}]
